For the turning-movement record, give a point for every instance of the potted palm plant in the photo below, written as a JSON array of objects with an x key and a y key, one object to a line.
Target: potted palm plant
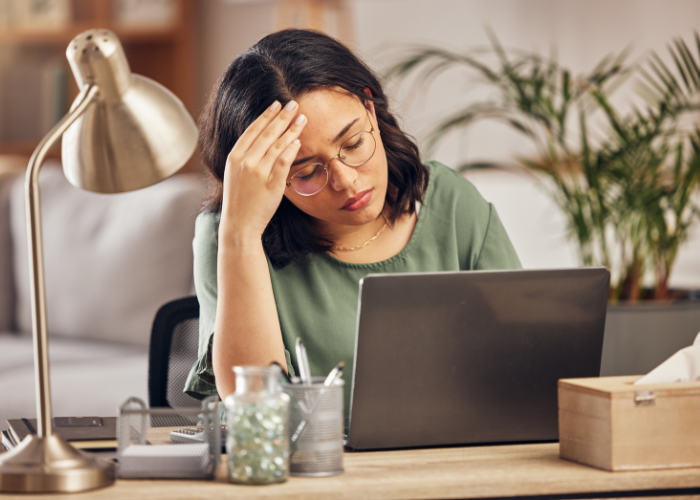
[{"x": 624, "y": 180}]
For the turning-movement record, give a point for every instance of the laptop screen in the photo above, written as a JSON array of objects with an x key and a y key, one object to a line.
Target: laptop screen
[{"x": 471, "y": 357}]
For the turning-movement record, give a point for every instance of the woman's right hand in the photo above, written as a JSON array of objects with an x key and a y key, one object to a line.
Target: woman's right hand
[{"x": 257, "y": 169}]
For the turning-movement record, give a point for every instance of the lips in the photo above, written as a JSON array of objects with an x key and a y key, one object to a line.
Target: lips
[{"x": 358, "y": 201}]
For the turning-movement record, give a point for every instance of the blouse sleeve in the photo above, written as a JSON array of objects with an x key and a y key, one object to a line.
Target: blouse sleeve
[
  {"x": 200, "y": 382},
  {"x": 481, "y": 239},
  {"x": 497, "y": 251}
]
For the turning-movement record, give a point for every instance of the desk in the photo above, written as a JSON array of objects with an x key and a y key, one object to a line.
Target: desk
[{"x": 440, "y": 473}]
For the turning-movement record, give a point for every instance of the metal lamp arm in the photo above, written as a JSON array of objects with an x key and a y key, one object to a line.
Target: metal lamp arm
[{"x": 36, "y": 255}]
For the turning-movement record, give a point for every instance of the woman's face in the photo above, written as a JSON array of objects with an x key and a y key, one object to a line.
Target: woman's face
[{"x": 354, "y": 195}]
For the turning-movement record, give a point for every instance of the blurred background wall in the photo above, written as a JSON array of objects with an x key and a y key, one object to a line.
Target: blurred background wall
[
  {"x": 582, "y": 31},
  {"x": 187, "y": 44}
]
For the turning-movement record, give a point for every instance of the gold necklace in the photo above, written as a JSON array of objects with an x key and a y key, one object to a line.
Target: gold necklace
[{"x": 359, "y": 247}]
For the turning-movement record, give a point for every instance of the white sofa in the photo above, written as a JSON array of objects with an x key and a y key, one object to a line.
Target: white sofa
[{"x": 110, "y": 262}]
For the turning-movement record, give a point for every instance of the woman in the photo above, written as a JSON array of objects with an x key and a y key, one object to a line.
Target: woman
[{"x": 315, "y": 186}]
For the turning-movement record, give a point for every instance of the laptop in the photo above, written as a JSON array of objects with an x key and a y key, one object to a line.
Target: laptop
[{"x": 469, "y": 357}]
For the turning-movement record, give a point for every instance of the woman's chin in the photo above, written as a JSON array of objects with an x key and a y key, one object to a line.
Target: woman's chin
[{"x": 369, "y": 214}]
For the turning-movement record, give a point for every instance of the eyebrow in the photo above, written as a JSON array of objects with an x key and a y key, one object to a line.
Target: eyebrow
[{"x": 336, "y": 139}]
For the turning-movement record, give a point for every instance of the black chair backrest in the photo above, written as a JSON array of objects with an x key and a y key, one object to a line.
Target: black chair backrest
[{"x": 173, "y": 351}]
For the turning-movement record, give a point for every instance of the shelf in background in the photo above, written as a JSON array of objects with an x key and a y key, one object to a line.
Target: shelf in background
[
  {"x": 160, "y": 48},
  {"x": 63, "y": 36},
  {"x": 24, "y": 148}
]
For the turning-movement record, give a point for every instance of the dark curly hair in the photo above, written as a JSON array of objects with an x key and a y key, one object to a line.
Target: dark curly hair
[{"x": 284, "y": 66}]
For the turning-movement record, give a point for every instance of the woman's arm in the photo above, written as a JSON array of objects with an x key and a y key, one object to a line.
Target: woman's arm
[{"x": 247, "y": 330}]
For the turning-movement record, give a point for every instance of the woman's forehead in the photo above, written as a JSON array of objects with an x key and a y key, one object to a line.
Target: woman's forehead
[
  {"x": 329, "y": 102},
  {"x": 328, "y": 111}
]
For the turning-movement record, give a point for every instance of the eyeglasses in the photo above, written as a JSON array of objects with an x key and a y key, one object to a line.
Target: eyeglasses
[{"x": 356, "y": 151}]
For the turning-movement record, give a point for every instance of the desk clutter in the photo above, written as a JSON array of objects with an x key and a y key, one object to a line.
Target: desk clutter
[
  {"x": 276, "y": 430},
  {"x": 275, "y": 427},
  {"x": 146, "y": 449}
]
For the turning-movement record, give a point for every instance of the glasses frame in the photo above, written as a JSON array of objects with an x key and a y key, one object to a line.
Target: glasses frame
[{"x": 338, "y": 157}]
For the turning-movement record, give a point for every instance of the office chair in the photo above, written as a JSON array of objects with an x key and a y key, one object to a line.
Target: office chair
[{"x": 173, "y": 351}]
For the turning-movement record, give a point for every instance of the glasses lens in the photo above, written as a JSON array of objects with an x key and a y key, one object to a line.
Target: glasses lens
[
  {"x": 310, "y": 180},
  {"x": 358, "y": 149}
]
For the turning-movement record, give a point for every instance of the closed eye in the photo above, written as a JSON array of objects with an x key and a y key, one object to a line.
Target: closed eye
[
  {"x": 360, "y": 141},
  {"x": 307, "y": 173}
]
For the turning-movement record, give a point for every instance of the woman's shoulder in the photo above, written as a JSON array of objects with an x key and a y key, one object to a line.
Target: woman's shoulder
[{"x": 447, "y": 186}]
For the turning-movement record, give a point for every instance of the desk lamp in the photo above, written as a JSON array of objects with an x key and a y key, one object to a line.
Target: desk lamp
[{"x": 123, "y": 132}]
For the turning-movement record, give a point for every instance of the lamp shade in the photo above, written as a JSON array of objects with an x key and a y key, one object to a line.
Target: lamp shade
[{"x": 134, "y": 134}]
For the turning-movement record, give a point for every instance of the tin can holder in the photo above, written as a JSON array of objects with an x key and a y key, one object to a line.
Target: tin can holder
[
  {"x": 145, "y": 449},
  {"x": 315, "y": 428}
]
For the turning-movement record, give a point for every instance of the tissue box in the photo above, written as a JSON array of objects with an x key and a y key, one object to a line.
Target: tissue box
[{"x": 611, "y": 424}]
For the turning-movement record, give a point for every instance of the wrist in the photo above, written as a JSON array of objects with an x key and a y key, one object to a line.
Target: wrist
[{"x": 232, "y": 232}]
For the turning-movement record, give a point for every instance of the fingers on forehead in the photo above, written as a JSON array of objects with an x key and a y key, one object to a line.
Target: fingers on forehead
[{"x": 251, "y": 133}]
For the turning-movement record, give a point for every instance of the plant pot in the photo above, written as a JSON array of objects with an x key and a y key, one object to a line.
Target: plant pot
[{"x": 639, "y": 337}]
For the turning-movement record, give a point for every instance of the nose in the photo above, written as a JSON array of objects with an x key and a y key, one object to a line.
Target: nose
[{"x": 341, "y": 176}]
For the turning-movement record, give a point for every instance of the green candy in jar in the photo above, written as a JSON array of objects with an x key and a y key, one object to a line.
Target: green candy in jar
[{"x": 258, "y": 427}]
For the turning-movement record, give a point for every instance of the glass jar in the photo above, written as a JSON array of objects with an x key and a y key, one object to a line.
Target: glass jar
[{"x": 258, "y": 427}]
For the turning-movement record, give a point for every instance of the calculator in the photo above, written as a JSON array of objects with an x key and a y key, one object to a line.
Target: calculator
[{"x": 194, "y": 435}]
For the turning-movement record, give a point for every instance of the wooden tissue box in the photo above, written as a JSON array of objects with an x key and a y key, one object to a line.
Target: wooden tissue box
[{"x": 611, "y": 424}]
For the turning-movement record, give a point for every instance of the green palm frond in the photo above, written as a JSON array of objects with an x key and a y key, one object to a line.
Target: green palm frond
[
  {"x": 634, "y": 172},
  {"x": 473, "y": 113}
]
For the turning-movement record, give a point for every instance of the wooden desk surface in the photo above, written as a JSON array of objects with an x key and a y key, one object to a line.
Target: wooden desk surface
[{"x": 468, "y": 472}]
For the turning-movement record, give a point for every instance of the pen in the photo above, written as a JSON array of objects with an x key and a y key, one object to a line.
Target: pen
[
  {"x": 334, "y": 374},
  {"x": 303, "y": 361}
]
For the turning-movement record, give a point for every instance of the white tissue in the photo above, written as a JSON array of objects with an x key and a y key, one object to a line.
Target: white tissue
[{"x": 684, "y": 366}]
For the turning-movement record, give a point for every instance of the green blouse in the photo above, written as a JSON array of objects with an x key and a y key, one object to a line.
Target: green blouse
[{"x": 456, "y": 230}]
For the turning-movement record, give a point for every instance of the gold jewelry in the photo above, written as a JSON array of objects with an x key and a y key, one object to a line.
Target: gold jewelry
[{"x": 360, "y": 247}]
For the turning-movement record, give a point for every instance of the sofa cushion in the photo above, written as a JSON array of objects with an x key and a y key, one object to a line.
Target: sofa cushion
[
  {"x": 110, "y": 260},
  {"x": 88, "y": 378}
]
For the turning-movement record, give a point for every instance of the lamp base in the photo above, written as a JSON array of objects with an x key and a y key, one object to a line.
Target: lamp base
[{"x": 50, "y": 464}]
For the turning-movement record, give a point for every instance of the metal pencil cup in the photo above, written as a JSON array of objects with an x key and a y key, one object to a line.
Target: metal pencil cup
[
  {"x": 315, "y": 428},
  {"x": 144, "y": 447}
]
